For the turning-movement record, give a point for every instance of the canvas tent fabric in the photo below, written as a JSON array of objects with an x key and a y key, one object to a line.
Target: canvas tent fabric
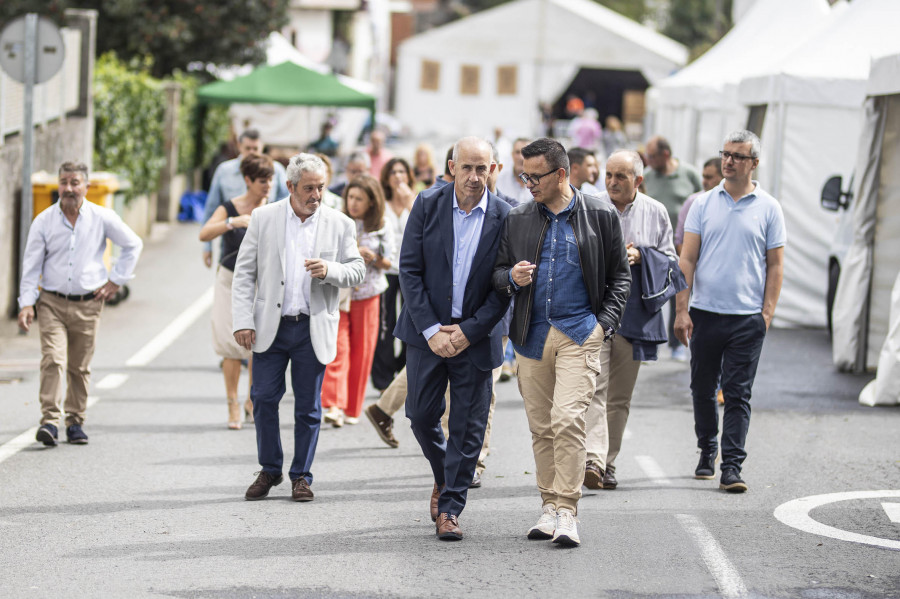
[
  {"x": 865, "y": 308},
  {"x": 697, "y": 106},
  {"x": 288, "y": 84},
  {"x": 813, "y": 102},
  {"x": 517, "y": 55}
]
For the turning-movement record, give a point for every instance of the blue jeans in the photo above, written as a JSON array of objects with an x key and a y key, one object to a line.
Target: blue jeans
[
  {"x": 452, "y": 460},
  {"x": 728, "y": 345},
  {"x": 292, "y": 343}
]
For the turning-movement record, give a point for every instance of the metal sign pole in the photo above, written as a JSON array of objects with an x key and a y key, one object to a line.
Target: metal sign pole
[{"x": 31, "y": 21}]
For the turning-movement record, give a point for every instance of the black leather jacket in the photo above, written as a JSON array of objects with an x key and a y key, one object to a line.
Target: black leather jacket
[{"x": 601, "y": 249}]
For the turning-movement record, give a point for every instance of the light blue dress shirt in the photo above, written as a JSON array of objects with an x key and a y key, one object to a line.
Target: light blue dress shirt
[
  {"x": 228, "y": 183},
  {"x": 730, "y": 277},
  {"x": 466, "y": 235}
]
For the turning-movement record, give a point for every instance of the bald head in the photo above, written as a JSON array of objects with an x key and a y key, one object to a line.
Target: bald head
[{"x": 471, "y": 165}]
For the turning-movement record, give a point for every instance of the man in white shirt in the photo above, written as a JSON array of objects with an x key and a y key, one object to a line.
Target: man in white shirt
[
  {"x": 64, "y": 255},
  {"x": 292, "y": 262}
]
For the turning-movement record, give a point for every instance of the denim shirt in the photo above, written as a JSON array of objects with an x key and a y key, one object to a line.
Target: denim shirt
[{"x": 560, "y": 296}]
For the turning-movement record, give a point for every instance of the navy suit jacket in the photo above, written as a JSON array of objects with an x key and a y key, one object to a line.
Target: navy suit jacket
[{"x": 426, "y": 267}]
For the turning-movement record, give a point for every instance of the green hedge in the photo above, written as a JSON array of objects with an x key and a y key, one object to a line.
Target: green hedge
[{"x": 129, "y": 111}]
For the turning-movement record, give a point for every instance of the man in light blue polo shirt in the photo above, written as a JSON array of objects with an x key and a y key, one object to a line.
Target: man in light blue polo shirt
[{"x": 733, "y": 261}]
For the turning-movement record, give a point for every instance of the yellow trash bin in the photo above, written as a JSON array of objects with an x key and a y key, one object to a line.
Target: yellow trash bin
[{"x": 45, "y": 190}]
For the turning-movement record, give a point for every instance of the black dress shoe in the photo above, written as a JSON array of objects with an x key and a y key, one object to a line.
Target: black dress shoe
[
  {"x": 476, "y": 481},
  {"x": 260, "y": 487},
  {"x": 731, "y": 481},
  {"x": 706, "y": 467},
  {"x": 609, "y": 479}
]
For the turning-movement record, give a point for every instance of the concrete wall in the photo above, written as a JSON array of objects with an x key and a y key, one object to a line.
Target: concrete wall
[{"x": 69, "y": 137}]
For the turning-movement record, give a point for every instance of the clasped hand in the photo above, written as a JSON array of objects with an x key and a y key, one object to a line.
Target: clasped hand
[{"x": 448, "y": 341}]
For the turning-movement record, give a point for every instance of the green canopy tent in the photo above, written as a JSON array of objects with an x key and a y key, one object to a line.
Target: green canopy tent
[{"x": 288, "y": 84}]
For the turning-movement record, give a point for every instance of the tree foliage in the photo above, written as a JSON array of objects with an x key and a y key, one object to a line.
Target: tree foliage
[
  {"x": 698, "y": 24},
  {"x": 174, "y": 33}
]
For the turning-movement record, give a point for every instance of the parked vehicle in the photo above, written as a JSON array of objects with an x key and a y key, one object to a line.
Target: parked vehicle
[{"x": 836, "y": 199}]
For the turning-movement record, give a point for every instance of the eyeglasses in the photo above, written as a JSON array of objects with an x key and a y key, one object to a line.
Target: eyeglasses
[
  {"x": 736, "y": 157},
  {"x": 534, "y": 179}
]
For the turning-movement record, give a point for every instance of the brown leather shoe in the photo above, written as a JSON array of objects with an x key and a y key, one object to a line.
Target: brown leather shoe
[
  {"x": 260, "y": 487},
  {"x": 593, "y": 476},
  {"x": 383, "y": 425},
  {"x": 448, "y": 527},
  {"x": 435, "y": 495},
  {"x": 300, "y": 490},
  {"x": 609, "y": 479}
]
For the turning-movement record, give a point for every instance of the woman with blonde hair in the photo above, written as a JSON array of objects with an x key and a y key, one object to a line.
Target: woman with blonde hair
[
  {"x": 230, "y": 221},
  {"x": 344, "y": 385},
  {"x": 423, "y": 166}
]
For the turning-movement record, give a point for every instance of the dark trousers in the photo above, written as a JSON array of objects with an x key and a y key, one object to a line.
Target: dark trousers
[
  {"x": 292, "y": 343},
  {"x": 728, "y": 345},
  {"x": 387, "y": 363},
  {"x": 452, "y": 460},
  {"x": 673, "y": 339}
]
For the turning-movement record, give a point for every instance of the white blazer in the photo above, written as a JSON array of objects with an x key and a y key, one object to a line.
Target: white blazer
[{"x": 258, "y": 286}]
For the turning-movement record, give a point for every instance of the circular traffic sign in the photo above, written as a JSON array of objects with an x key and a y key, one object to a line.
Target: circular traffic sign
[
  {"x": 50, "y": 49},
  {"x": 796, "y": 514}
]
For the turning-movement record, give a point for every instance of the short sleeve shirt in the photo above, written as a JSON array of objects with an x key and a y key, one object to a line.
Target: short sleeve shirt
[{"x": 730, "y": 277}]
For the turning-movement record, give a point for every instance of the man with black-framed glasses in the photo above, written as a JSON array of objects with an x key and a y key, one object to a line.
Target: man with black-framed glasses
[
  {"x": 564, "y": 259},
  {"x": 733, "y": 261}
]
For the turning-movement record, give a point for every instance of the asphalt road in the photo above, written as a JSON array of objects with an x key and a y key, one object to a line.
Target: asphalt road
[{"x": 153, "y": 506}]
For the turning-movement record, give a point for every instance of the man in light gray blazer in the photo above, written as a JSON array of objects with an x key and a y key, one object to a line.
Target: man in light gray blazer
[{"x": 294, "y": 258}]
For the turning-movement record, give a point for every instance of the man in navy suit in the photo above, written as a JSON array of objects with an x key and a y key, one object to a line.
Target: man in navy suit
[{"x": 449, "y": 322}]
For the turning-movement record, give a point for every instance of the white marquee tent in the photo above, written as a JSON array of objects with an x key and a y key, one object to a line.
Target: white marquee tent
[
  {"x": 493, "y": 68},
  {"x": 866, "y": 310},
  {"x": 696, "y": 107},
  {"x": 811, "y": 106}
]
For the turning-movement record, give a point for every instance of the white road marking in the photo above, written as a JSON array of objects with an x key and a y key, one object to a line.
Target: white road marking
[
  {"x": 112, "y": 381},
  {"x": 17, "y": 444},
  {"x": 144, "y": 356},
  {"x": 796, "y": 514},
  {"x": 652, "y": 469},
  {"x": 723, "y": 571},
  {"x": 168, "y": 335},
  {"x": 893, "y": 511}
]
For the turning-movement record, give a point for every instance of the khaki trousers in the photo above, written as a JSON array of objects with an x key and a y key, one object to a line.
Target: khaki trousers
[
  {"x": 557, "y": 391},
  {"x": 68, "y": 331},
  {"x": 394, "y": 397},
  {"x": 608, "y": 413}
]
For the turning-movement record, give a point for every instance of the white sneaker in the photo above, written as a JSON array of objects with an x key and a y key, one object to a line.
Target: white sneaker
[
  {"x": 566, "y": 528},
  {"x": 545, "y": 526}
]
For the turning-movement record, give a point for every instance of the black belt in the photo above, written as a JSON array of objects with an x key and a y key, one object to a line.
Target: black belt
[
  {"x": 72, "y": 298},
  {"x": 455, "y": 320},
  {"x": 296, "y": 317}
]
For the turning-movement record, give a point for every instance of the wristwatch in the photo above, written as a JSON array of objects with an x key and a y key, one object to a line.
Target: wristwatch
[{"x": 228, "y": 224}]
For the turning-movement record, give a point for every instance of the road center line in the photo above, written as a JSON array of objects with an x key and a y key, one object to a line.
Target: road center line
[
  {"x": 112, "y": 381},
  {"x": 168, "y": 335},
  {"x": 652, "y": 469},
  {"x": 17, "y": 444},
  {"x": 723, "y": 571},
  {"x": 144, "y": 356},
  {"x": 893, "y": 511}
]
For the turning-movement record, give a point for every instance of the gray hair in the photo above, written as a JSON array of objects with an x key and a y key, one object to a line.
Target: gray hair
[
  {"x": 637, "y": 164},
  {"x": 472, "y": 139},
  {"x": 74, "y": 167},
  {"x": 304, "y": 163},
  {"x": 360, "y": 156},
  {"x": 742, "y": 136}
]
